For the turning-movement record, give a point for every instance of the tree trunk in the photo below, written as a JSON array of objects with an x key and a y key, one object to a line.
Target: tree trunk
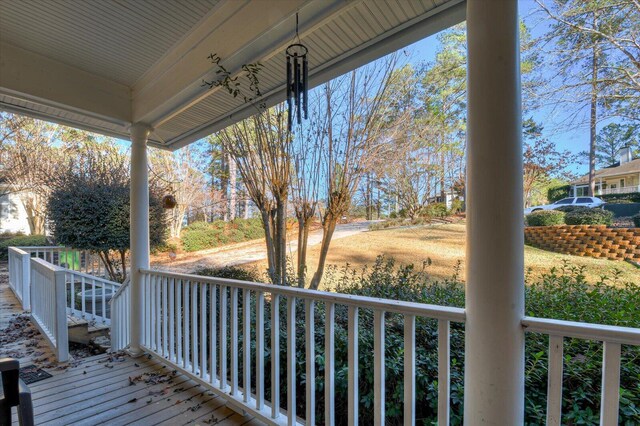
[
  {"x": 304, "y": 223},
  {"x": 328, "y": 227},
  {"x": 232, "y": 188},
  {"x": 245, "y": 212},
  {"x": 267, "y": 224},
  {"x": 281, "y": 239},
  {"x": 593, "y": 120}
]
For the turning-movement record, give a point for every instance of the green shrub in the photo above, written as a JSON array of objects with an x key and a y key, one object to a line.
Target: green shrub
[
  {"x": 230, "y": 272},
  {"x": 636, "y": 220},
  {"x": 556, "y": 193},
  {"x": 567, "y": 209},
  {"x": 456, "y": 206},
  {"x": 21, "y": 241},
  {"x": 203, "y": 235},
  {"x": 632, "y": 196},
  {"x": 436, "y": 210},
  {"x": 589, "y": 217},
  {"x": 561, "y": 293},
  {"x": 545, "y": 218}
]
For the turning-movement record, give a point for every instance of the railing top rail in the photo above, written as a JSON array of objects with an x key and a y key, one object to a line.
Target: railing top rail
[
  {"x": 92, "y": 277},
  {"x": 581, "y": 330},
  {"x": 18, "y": 250},
  {"x": 43, "y": 264},
  {"x": 44, "y": 247},
  {"x": 396, "y": 306}
]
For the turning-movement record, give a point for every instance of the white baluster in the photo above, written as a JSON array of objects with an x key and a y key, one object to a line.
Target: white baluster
[
  {"x": 223, "y": 337},
  {"x": 212, "y": 335},
  {"x": 259, "y": 350},
  {"x": 172, "y": 321},
  {"x": 246, "y": 347},
  {"x": 194, "y": 328},
  {"x": 353, "y": 366},
  {"x": 234, "y": 341},
  {"x": 185, "y": 328},
  {"x": 329, "y": 364},
  {"x": 291, "y": 360},
  {"x": 275, "y": 355},
  {"x": 378, "y": 372},
  {"x": 554, "y": 381},
  {"x": 203, "y": 330},
  {"x": 609, "y": 406},
  {"x": 444, "y": 349},
  {"x": 165, "y": 318},
  {"x": 409, "y": 370},
  {"x": 310, "y": 355}
]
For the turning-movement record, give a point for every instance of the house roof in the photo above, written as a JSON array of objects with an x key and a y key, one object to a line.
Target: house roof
[
  {"x": 103, "y": 65},
  {"x": 632, "y": 166}
]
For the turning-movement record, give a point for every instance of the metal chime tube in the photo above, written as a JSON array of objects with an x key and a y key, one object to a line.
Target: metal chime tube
[
  {"x": 305, "y": 82},
  {"x": 289, "y": 118}
]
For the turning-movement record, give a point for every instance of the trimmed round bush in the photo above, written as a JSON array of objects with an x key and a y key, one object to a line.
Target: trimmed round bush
[
  {"x": 636, "y": 220},
  {"x": 589, "y": 217},
  {"x": 545, "y": 218}
]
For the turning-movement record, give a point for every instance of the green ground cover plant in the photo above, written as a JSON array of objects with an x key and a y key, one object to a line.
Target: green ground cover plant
[{"x": 205, "y": 235}]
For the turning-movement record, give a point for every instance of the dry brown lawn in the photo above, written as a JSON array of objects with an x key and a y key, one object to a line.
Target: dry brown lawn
[{"x": 445, "y": 246}]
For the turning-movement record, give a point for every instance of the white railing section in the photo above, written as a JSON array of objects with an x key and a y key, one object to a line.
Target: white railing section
[
  {"x": 89, "y": 297},
  {"x": 19, "y": 275},
  {"x": 612, "y": 338},
  {"x": 619, "y": 190},
  {"x": 192, "y": 336},
  {"x": 120, "y": 314},
  {"x": 48, "y": 305},
  {"x": 73, "y": 260}
]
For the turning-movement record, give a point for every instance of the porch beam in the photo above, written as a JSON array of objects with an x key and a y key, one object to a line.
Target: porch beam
[
  {"x": 139, "y": 229},
  {"x": 494, "y": 340}
]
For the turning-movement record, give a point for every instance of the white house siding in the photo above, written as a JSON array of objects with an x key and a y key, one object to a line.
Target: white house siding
[{"x": 13, "y": 216}]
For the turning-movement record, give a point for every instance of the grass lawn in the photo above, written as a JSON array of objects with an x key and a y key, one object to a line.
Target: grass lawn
[{"x": 445, "y": 246}]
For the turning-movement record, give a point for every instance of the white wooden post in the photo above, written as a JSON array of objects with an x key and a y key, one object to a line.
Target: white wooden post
[
  {"x": 139, "y": 229},
  {"x": 494, "y": 339},
  {"x": 61, "y": 328}
]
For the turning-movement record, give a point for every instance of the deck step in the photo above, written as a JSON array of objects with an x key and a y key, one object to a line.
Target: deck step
[{"x": 84, "y": 331}]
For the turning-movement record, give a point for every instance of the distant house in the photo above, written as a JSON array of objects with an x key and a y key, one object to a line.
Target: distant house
[
  {"x": 620, "y": 178},
  {"x": 13, "y": 216}
]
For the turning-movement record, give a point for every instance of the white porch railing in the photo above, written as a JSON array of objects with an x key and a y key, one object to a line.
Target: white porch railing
[
  {"x": 205, "y": 341},
  {"x": 56, "y": 292},
  {"x": 192, "y": 337},
  {"x": 70, "y": 259},
  {"x": 619, "y": 190},
  {"x": 19, "y": 271},
  {"x": 120, "y": 317},
  {"x": 89, "y": 297},
  {"x": 48, "y": 305},
  {"x": 612, "y": 338}
]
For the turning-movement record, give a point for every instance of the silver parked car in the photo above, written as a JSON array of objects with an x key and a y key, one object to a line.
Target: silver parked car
[{"x": 591, "y": 202}]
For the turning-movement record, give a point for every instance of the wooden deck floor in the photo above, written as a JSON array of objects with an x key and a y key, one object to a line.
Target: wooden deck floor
[
  {"x": 120, "y": 390},
  {"x": 110, "y": 389}
]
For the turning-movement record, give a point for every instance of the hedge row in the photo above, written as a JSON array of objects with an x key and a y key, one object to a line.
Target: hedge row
[
  {"x": 204, "y": 235},
  {"x": 570, "y": 215},
  {"x": 21, "y": 241}
]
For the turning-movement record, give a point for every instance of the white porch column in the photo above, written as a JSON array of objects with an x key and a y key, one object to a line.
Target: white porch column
[
  {"x": 494, "y": 351},
  {"x": 139, "y": 228}
]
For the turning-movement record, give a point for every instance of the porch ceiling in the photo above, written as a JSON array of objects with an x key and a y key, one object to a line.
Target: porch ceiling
[{"x": 104, "y": 65}]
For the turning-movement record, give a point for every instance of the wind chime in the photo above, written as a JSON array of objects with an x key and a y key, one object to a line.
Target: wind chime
[{"x": 297, "y": 81}]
